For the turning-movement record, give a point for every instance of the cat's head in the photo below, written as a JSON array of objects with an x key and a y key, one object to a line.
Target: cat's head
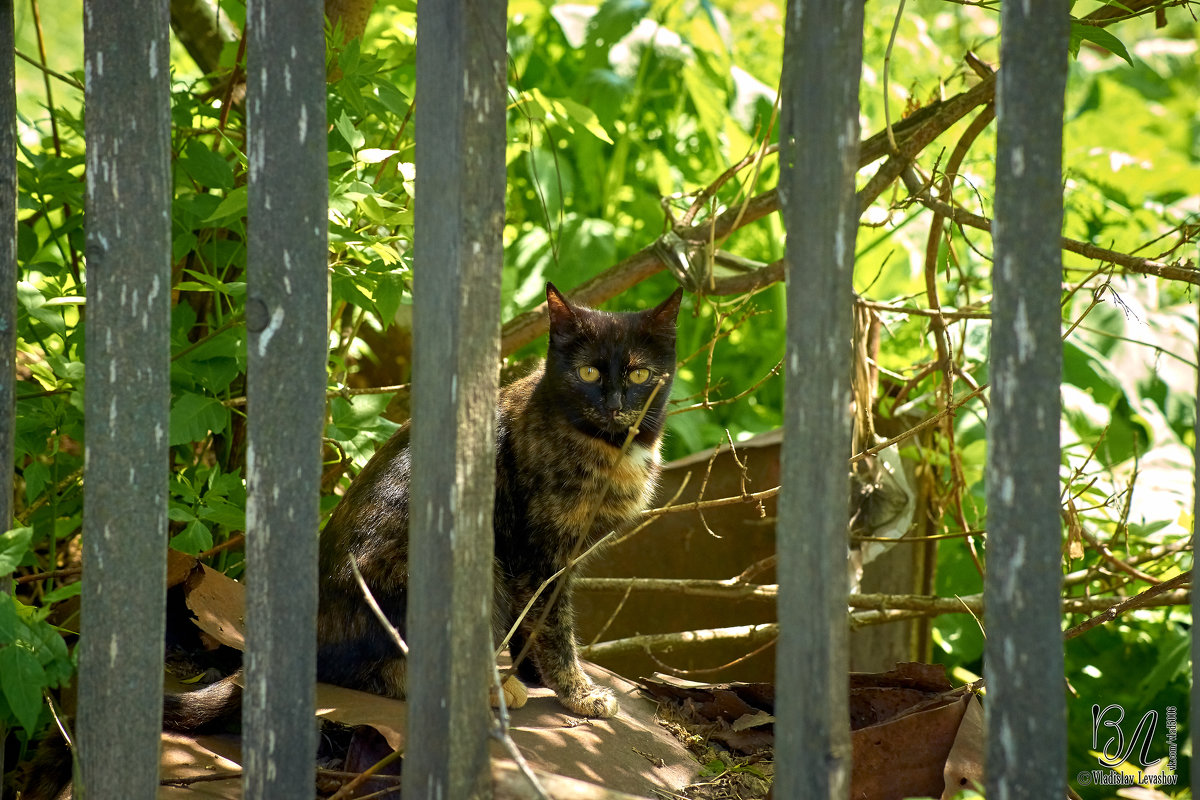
[{"x": 605, "y": 367}]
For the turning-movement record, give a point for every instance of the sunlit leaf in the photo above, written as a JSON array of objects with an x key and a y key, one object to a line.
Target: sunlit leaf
[
  {"x": 1081, "y": 32},
  {"x": 14, "y": 544}
]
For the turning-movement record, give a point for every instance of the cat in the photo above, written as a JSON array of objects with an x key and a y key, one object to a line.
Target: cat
[
  {"x": 564, "y": 478},
  {"x": 575, "y": 459}
]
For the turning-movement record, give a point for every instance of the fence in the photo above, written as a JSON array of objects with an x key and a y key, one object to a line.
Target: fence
[{"x": 460, "y": 136}]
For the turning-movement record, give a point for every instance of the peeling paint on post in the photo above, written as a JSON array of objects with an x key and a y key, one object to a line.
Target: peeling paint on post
[
  {"x": 126, "y": 395},
  {"x": 1023, "y": 658},
  {"x": 8, "y": 277},
  {"x": 819, "y": 155},
  {"x": 461, "y": 70},
  {"x": 287, "y": 320}
]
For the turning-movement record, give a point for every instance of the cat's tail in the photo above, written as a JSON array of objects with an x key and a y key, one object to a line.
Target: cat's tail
[
  {"x": 49, "y": 775},
  {"x": 216, "y": 703}
]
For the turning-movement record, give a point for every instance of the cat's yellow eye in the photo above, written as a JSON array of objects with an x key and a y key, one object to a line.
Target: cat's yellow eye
[
  {"x": 640, "y": 375},
  {"x": 589, "y": 374}
]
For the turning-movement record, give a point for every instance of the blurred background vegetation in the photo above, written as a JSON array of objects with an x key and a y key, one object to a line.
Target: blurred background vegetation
[{"x": 621, "y": 116}]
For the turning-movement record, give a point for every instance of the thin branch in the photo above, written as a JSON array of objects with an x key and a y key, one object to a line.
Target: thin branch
[
  {"x": 1179, "y": 270},
  {"x": 345, "y": 391},
  {"x": 922, "y": 312},
  {"x": 68, "y": 572},
  {"x": 348, "y": 790},
  {"x": 731, "y": 589},
  {"x": 702, "y": 505},
  {"x": 750, "y": 634},
  {"x": 1165, "y": 593},
  {"x": 881, "y": 608},
  {"x": 388, "y": 627},
  {"x": 1087, "y": 574},
  {"x": 67, "y": 79},
  {"x": 190, "y": 780}
]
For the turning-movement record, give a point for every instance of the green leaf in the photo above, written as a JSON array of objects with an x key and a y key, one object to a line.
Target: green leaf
[
  {"x": 205, "y": 167},
  {"x": 62, "y": 593},
  {"x": 10, "y": 622},
  {"x": 179, "y": 513},
  {"x": 37, "y": 476},
  {"x": 373, "y": 155},
  {"x": 230, "y": 208},
  {"x": 389, "y": 293},
  {"x": 22, "y": 680},
  {"x": 193, "y": 416},
  {"x": 14, "y": 545},
  {"x": 345, "y": 126},
  {"x": 34, "y": 303},
  {"x": 1099, "y": 37},
  {"x": 1171, "y": 661},
  {"x": 614, "y": 19},
  {"x": 224, "y": 513},
  {"x": 358, "y": 422},
  {"x": 195, "y": 538},
  {"x": 48, "y": 646},
  {"x": 584, "y": 116}
]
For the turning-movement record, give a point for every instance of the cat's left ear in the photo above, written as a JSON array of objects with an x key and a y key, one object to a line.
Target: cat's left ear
[{"x": 665, "y": 314}]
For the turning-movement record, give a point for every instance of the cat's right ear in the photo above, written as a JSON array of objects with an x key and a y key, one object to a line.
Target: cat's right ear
[
  {"x": 561, "y": 312},
  {"x": 665, "y": 314}
]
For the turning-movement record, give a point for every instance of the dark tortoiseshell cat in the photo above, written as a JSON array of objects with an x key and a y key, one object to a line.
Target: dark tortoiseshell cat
[{"x": 562, "y": 481}]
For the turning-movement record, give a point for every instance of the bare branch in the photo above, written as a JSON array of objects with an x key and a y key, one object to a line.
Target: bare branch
[{"x": 876, "y": 609}]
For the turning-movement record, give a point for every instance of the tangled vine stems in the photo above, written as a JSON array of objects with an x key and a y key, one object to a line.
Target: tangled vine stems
[{"x": 901, "y": 144}]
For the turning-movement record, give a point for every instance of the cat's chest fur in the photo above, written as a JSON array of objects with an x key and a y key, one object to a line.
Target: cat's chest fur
[{"x": 558, "y": 487}]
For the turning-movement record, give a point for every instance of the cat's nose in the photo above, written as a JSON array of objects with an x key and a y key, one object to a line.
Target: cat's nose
[{"x": 613, "y": 402}]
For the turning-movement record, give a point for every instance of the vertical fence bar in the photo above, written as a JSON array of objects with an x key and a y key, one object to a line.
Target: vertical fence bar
[
  {"x": 1023, "y": 657},
  {"x": 1194, "y": 705},
  {"x": 819, "y": 154},
  {"x": 126, "y": 397},
  {"x": 8, "y": 280},
  {"x": 287, "y": 319},
  {"x": 456, "y": 355}
]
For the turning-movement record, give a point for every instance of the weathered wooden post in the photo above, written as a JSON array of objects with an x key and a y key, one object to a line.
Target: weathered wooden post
[
  {"x": 287, "y": 319},
  {"x": 1026, "y": 709},
  {"x": 1194, "y": 707},
  {"x": 461, "y": 68},
  {"x": 8, "y": 277},
  {"x": 818, "y": 158},
  {"x": 128, "y": 204}
]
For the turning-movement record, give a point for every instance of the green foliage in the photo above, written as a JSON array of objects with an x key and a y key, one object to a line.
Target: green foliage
[{"x": 33, "y": 654}]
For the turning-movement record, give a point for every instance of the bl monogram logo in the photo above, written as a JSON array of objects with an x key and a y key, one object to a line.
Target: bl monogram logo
[{"x": 1114, "y": 740}]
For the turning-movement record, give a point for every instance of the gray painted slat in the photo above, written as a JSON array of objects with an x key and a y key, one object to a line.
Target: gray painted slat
[
  {"x": 8, "y": 263},
  {"x": 819, "y": 148},
  {"x": 287, "y": 320},
  {"x": 456, "y": 349},
  {"x": 8, "y": 276},
  {"x": 1023, "y": 659},
  {"x": 126, "y": 396}
]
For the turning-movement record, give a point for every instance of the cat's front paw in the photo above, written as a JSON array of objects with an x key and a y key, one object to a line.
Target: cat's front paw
[
  {"x": 591, "y": 701},
  {"x": 515, "y": 693}
]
